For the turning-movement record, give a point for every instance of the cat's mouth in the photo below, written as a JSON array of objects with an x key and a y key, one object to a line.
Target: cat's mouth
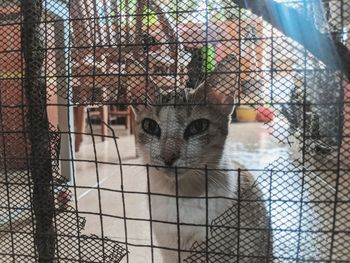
[{"x": 171, "y": 171}]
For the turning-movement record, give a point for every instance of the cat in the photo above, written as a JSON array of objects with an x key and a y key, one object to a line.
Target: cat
[{"x": 181, "y": 135}]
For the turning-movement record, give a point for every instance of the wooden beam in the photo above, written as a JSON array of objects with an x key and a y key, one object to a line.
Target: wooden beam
[{"x": 38, "y": 131}]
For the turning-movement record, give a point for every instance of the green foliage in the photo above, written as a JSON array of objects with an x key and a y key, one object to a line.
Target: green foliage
[
  {"x": 208, "y": 56},
  {"x": 218, "y": 10},
  {"x": 149, "y": 17}
]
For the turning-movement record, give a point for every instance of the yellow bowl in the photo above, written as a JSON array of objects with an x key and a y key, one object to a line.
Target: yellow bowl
[{"x": 246, "y": 114}]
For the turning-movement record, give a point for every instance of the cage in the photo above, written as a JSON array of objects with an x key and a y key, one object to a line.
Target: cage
[{"x": 174, "y": 131}]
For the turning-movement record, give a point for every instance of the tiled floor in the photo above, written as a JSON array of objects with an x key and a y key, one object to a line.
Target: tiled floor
[
  {"x": 300, "y": 203},
  {"x": 296, "y": 200}
]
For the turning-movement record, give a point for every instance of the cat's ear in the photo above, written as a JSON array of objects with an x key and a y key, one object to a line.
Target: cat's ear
[
  {"x": 141, "y": 87},
  {"x": 221, "y": 86}
]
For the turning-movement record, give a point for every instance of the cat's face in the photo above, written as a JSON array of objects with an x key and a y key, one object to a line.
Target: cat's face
[
  {"x": 192, "y": 133},
  {"x": 181, "y": 136}
]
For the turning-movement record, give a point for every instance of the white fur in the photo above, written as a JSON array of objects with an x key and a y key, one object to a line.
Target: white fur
[{"x": 191, "y": 210}]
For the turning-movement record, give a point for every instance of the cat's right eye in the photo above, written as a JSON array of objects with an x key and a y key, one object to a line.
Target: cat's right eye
[{"x": 151, "y": 127}]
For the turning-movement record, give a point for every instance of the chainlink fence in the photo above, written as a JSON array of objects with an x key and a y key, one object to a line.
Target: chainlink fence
[{"x": 73, "y": 187}]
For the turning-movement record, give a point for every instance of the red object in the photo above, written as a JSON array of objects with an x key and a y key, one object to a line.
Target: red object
[
  {"x": 154, "y": 47},
  {"x": 63, "y": 198},
  {"x": 264, "y": 114}
]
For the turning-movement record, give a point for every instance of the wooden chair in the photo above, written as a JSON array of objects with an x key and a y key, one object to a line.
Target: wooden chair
[
  {"x": 97, "y": 72},
  {"x": 127, "y": 114},
  {"x": 102, "y": 68}
]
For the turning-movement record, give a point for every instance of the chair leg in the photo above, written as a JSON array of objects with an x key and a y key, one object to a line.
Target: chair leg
[
  {"x": 127, "y": 125},
  {"x": 79, "y": 114},
  {"x": 127, "y": 120},
  {"x": 131, "y": 118},
  {"x": 104, "y": 121}
]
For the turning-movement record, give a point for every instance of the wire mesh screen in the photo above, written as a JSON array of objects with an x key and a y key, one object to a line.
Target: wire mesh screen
[{"x": 174, "y": 131}]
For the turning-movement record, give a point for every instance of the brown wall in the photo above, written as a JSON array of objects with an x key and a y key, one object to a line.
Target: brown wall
[
  {"x": 13, "y": 145},
  {"x": 226, "y": 35},
  {"x": 51, "y": 72},
  {"x": 12, "y": 139}
]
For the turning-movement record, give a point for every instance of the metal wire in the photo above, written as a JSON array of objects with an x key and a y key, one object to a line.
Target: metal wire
[{"x": 286, "y": 61}]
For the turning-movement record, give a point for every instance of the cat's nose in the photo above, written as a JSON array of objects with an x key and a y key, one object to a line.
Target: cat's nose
[{"x": 170, "y": 160}]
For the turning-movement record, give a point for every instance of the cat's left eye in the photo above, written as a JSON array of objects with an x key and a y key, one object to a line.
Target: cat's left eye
[{"x": 196, "y": 127}]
